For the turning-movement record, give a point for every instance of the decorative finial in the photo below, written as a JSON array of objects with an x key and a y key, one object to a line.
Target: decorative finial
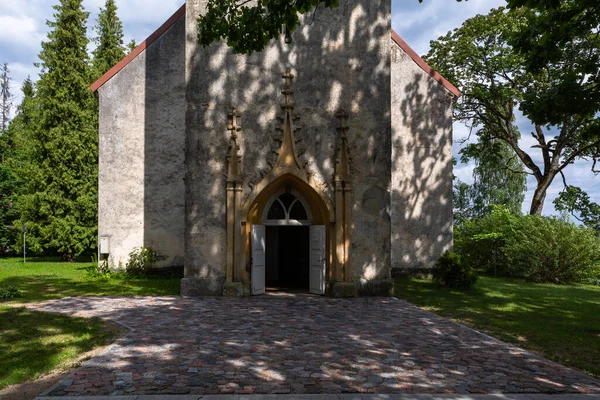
[
  {"x": 343, "y": 116},
  {"x": 234, "y": 125},
  {"x": 288, "y": 90},
  {"x": 233, "y": 156}
]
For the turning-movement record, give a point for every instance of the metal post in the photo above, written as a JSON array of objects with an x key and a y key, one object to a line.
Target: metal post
[{"x": 24, "y": 243}]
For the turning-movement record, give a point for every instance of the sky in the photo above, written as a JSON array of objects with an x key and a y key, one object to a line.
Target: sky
[{"x": 23, "y": 28}]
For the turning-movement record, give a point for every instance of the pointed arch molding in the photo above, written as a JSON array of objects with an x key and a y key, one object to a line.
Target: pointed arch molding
[
  {"x": 287, "y": 161},
  {"x": 286, "y": 170}
]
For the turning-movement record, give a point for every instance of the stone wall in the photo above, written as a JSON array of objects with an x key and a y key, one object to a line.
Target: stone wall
[
  {"x": 421, "y": 165},
  {"x": 342, "y": 59},
  {"x": 141, "y": 147}
]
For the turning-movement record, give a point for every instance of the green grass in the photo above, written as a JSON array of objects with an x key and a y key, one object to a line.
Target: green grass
[
  {"x": 45, "y": 280},
  {"x": 33, "y": 343},
  {"x": 560, "y": 322}
]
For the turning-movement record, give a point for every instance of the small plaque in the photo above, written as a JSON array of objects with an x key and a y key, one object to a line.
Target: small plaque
[{"x": 104, "y": 245}]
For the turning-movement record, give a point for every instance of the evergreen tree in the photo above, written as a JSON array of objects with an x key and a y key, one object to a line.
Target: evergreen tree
[
  {"x": 5, "y": 98},
  {"x": 13, "y": 157},
  {"x": 131, "y": 45},
  {"x": 110, "y": 49},
  {"x": 59, "y": 204}
]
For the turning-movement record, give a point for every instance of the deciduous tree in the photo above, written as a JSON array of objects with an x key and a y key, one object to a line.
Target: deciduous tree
[
  {"x": 248, "y": 27},
  {"x": 494, "y": 81},
  {"x": 498, "y": 179},
  {"x": 576, "y": 202}
]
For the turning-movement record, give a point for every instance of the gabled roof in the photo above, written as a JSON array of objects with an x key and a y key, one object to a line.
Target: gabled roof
[
  {"x": 135, "y": 52},
  {"x": 424, "y": 66},
  {"x": 181, "y": 12}
]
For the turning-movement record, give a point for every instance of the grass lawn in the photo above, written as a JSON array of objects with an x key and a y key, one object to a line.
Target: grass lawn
[
  {"x": 33, "y": 343},
  {"x": 560, "y": 322},
  {"x": 44, "y": 280}
]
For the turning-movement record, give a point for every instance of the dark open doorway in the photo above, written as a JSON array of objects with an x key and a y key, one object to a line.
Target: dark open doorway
[{"x": 287, "y": 258}]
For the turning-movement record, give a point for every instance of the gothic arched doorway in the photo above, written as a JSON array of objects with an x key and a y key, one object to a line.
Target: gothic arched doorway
[
  {"x": 287, "y": 231},
  {"x": 287, "y": 219}
]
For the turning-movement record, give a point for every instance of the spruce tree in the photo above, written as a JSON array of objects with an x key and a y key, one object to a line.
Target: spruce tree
[
  {"x": 5, "y": 98},
  {"x": 14, "y": 158},
  {"x": 110, "y": 49},
  {"x": 131, "y": 45},
  {"x": 60, "y": 200}
]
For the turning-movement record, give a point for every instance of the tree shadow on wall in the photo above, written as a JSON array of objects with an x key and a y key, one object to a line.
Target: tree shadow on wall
[
  {"x": 421, "y": 172},
  {"x": 341, "y": 59}
]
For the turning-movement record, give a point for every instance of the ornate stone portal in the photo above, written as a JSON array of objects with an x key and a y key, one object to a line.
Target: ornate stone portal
[{"x": 289, "y": 173}]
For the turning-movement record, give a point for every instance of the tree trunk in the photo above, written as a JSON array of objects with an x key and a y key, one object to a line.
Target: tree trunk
[{"x": 537, "y": 203}]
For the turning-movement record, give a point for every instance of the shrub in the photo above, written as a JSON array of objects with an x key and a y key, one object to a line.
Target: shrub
[
  {"x": 142, "y": 260},
  {"x": 452, "y": 272},
  {"x": 480, "y": 241},
  {"x": 536, "y": 248},
  {"x": 10, "y": 292},
  {"x": 547, "y": 249}
]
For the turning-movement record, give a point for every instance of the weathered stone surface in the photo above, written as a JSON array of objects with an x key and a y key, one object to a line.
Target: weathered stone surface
[
  {"x": 141, "y": 144},
  {"x": 233, "y": 289},
  {"x": 333, "y": 59},
  {"x": 344, "y": 289},
  {"x": 202, "y": 287},
  {"x": 376, "y": 287},
  {"x": 421, "y": 205}
]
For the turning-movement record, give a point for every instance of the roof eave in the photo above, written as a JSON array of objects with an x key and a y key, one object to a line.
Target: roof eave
[
  {"x": 139, "y": 49},
  {"x": 423, "y": 65}
]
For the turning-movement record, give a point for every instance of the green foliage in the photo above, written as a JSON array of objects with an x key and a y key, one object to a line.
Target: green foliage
[
  {"x": 110, "y": 49},
  {"x": 576, "y": 202},
  {"x": 249, "y": 28},
  {"x": 547, "y": 249},
  {"x": 14, "y": 152},
  {"x": 565, "y": 33},
  {"x": 35, "y": 343},
  {"x": 8, "y": 187},
  {"x": 494, "y": 81},
  {"x": 10, "y": 292},
  {"x": 58, "y": 145},
  {"x": 131, "y": 45},
  {"x": 452, "y": 272},
  {"x": 142, "y": 260},
  {"x": 536, "y": 248},
  {"x": 5, "y": 98},
  {"x": 498, "y": 179},
  {"x": 41, "y": 279}
]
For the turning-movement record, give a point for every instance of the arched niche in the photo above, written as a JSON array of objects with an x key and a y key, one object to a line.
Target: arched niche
[{"x": 258, "y": 203}]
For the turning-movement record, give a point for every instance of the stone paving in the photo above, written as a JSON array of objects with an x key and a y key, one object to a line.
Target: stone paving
[{"x": 299, "y": 344}]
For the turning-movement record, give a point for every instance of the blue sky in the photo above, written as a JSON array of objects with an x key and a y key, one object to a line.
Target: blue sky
[{"x": 23, "y": 28}]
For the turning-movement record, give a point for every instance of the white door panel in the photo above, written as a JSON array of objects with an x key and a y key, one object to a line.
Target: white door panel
[
  {"x": 258, "y": 259},
  {"x": 317, "y": 259}
]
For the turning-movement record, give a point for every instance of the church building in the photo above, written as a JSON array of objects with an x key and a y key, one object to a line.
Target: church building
[{"x": 322, "y": 164}]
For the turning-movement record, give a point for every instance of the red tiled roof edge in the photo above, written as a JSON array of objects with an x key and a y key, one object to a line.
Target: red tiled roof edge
[
  {"x": 424, "y": 66},
  {"x": 135, "y": 52}
]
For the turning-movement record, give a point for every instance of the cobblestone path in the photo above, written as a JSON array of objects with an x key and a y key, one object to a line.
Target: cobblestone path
[{"x": 300, "y": 345}]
